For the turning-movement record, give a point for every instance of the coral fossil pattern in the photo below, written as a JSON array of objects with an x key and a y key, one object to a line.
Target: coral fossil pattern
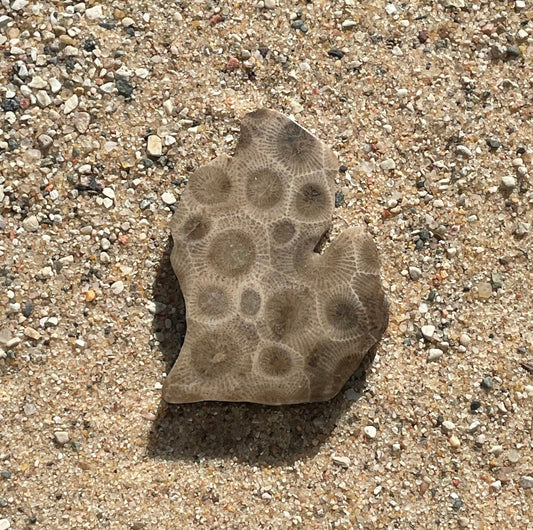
[{"x": 269, "y": 319}]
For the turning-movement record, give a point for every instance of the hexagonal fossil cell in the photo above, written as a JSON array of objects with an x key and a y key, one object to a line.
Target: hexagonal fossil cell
[{"x": 269, "y": 319}]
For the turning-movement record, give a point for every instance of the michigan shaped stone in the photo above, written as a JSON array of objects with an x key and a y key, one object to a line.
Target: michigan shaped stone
[{"x": 269, "y": 319}]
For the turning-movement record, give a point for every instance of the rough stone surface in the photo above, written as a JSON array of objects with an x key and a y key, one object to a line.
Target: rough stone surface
[{"x": 269, "y": 320}]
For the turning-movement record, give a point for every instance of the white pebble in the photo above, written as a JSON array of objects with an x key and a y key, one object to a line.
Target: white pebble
[
  {"x": 428, "y": 331},
  {"x": 94, "y": 13},
  {"x": 71, "y": 103},
  {"x": 434, "y": 354},
  {"x": 30, "y": 224},
  {"x": 342, "y": 461},
  {"x": 117, "y": 287},
  {"x": 109, "y": 192},
  {"x": 168, "y": 198},
  {"x": 154, "y": 145},
  {"x": 61, "y": 437},
  {"x": 388, "y": 164},
  {"x": 370, "y": 431},
  {"x": 463, "y": 150},
  {"x": 508, "y": 183}
]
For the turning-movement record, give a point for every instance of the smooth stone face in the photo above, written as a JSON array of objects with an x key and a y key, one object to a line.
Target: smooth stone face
[{"x": 269, "y": 319}]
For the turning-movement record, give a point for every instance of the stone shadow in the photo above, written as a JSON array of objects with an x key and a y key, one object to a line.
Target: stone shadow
[{"x": 250, "y": 433}]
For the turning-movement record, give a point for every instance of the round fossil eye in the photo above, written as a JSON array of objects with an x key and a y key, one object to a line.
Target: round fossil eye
[
  {"x": 210, "y": 185},
  {"x": 215, "y": 354},
  {"x": 212, "y": 301},
  {"x": 232, "y": 253},
  {"x": 275, "y": 361},
  {"x": 264, "y": 189},
  {"x": 298, "y": 149},
  {"x": 287, "y": 313},
  {"x": 311, "y": 200},
  {"x": 342, "y": 313},
  {"x": 283, "y": 231},
  {"x": 195, "y": 227},
  {"x": 250, "y": 302}
]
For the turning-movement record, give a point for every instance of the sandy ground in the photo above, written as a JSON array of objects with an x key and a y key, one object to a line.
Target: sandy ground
[{"x": 429, "y": 108}]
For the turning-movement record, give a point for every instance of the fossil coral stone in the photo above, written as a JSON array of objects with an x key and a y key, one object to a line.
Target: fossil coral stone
[{"x": 269, "y": 318}]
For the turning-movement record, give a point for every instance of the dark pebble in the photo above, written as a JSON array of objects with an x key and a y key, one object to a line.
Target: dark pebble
[
  {"x": 76, "y": 446},
  {"x": 107, "y": 25},
  {"x": 440, "y": 419},
  {"x": 420, "y": 183},
  {"x": 124, "y": 88},
  {"x": 89, "y": 45},
  {"x": 432, "y": 295},
  {"x": 28, "y": 308},
  {"x": 493, "y": 144},
  {"x": 145, "y": 203},
  {"x": 130, "y": 30},
  {"x": 457, "y": 503},
  {"x": 475, "y": 405},
  {"x": 422, "y": 36},
  {"x": 32, "y": 520},
  {"x": 90, "y": 184},
  {"x": 520, "y": 151},
  {"x": 297, "y": 24},
  {"x": 12, "y": 144},
  {"x": 10, "y": 105},
  {"x": 304, "y": 28},
  {"x": 512, "y": 52},
  {"x": 343, "y": 168},
  {"x": 5, "y": 474},
  {"x": 147, "y": 162},
  {"x": 419, "y": 245},
  {"x": 487, "y": 383},
  {"x": 263, "y": 50},
  {"x": 335, "y": 52},
  {"x": 339, "y": 199},
  {"x": 424, "y": 234},
  {"x": 3, "y": 502},
  {"x": 522, "y": 351}
]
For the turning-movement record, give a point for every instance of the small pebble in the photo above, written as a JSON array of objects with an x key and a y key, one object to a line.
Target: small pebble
[
  {"x": 484, "y": 291},
  {"x": 370, "y": 431},
  {"x": 464, "y": 151},
  {"x": 94, "y": 13},
  {"x": 434, "y": 354},
  {"x": 388, "y": 164},
  {"x": 335, "y": 52},
  {"x": 61, "y": 437},
  {"x": 168, "y": 198},
  {"x": 342, "y": 461},
  {"x": 475, "y": 405},
  {"x": 154, "y": 146},
  {"x": 428, "y": 331},
  {"x": 508, "y": 183},
  {"x": 5, "y": 524},
  {"x": 514, "y": 456},
  {"x": 71, "y": 103},
  {"x": 454, "y": 441},
  {"x": 117, "y": 287},
  {"x": 31, "y": 224},
  {"x": 526, "y": 482},
  {"x": 415, "y": 273},
  {"x": 487, "y": 383}
]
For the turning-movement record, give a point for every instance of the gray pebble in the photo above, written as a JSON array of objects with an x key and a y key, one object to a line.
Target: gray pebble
[
  {"x": 526, "y": 482},
  {"x": 415, "y": 273},
  {"x": 508, "y": 183}
]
